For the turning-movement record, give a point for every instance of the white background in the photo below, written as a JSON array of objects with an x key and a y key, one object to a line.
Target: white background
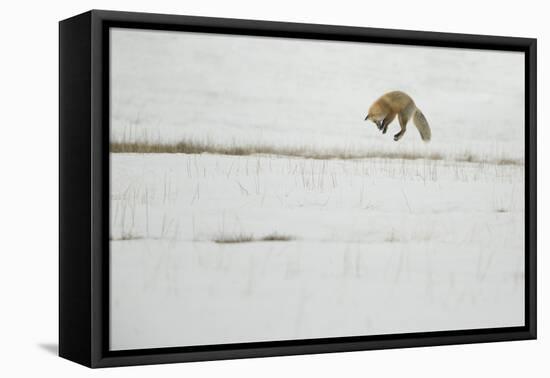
[{"x": 29, "y": 190}]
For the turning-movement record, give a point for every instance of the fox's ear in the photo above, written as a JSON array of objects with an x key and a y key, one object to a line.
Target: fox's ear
[{"x": 367, "y": 117}]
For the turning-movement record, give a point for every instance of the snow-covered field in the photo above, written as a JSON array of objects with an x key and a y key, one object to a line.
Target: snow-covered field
[
  {"x": 210, "y": 249},
  {"x": 378, "y": 246}
]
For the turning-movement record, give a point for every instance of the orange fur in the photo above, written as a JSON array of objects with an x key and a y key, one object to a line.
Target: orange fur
[{"x": 396, "y": 103}]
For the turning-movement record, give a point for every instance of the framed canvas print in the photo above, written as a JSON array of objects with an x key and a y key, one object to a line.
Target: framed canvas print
[{"x": 234, "y": 188}]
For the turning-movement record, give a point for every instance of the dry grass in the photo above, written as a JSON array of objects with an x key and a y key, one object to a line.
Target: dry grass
[
  {"x": 247, "y": 238},
  {"x": 277, "y": 237},
  {"x": 193, "y": 147},
  {"x": 198, "y": 147},
  {"x": 125, "y": 236},
  {"x": 507, "y": 161},
  {"x": 466, "y": 157},
  {"x": 223, "y": 239},
  {"x": 392, "y": 237}
]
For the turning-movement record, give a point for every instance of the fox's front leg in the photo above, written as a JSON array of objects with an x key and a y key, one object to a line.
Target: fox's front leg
[
  {"x": 403, "y": 123},
  {"x": 385, "y": 123}
]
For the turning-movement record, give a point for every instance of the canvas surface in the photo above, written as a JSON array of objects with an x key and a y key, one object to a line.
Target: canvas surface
[{"x": 250, "y": 201}]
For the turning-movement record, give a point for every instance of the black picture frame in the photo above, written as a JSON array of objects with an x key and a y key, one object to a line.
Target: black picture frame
[{"x": 84, "y": 188}]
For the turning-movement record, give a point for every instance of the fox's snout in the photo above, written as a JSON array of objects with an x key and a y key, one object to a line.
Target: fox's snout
[{"x": 377, "y": 123}]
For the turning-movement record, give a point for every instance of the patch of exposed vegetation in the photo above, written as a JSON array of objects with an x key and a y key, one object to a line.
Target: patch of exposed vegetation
[
  {"x": 125, "y": 236},
  {"x": 276, "y": 237},
  {"x": 247, "y": 238},
  {"x": 199, "y": 147},
  {"x": 232, "y": 239}
]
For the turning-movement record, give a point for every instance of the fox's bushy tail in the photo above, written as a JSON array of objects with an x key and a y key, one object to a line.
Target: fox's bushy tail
[{"x": 421, "y": 124}]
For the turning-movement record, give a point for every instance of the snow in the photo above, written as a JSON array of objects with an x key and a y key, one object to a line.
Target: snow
[{"x": 377, "y": 245}]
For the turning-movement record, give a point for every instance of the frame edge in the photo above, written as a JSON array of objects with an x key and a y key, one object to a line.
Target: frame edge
[
  {"x": 74, "y": 189},
  {"x": 531, "y": 179}
]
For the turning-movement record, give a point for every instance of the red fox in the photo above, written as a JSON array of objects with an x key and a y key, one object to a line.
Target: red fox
[{"x": 400, "y": 104}]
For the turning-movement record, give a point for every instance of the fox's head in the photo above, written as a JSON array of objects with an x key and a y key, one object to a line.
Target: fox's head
[{"x": 376, "y": 115}]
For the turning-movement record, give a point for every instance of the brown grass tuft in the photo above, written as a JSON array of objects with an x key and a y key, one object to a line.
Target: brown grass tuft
[
  {"x": 125, "y": 236},
  {"x": 234, "y": 239},
  {"x": 277, "y": 237},
  {"x": 247, "y": 238}
]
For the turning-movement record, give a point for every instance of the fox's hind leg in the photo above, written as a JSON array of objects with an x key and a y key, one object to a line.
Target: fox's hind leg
[
  {"x": 403, "y": 120},
  {"x": 385, "y": 123}
]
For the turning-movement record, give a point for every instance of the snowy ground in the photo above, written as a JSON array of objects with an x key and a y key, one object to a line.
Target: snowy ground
[{"x": 378, "y": 246}]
